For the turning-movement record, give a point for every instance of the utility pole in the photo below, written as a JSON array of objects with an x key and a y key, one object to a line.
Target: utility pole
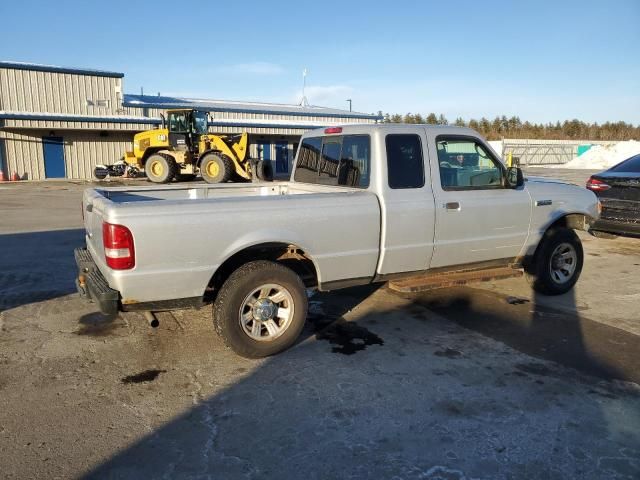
[{"x": 349, "y": 100}]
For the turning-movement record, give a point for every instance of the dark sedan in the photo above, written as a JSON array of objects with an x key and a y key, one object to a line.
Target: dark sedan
[{"x": 619, "y": 191}]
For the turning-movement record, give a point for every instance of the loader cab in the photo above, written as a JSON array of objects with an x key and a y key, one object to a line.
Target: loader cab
[{"x": 185, "y": 128}]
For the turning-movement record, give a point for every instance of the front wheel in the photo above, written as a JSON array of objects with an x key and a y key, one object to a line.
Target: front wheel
[
  {"x": 557, "y": 264},
  {"x": 216, "y": 168},
  {"x": 261, "y": 309},
  {"x": 160, "y": 168}
]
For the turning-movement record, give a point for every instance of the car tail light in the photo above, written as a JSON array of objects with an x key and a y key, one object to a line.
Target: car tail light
[
  {"x": 597, "y": 185},
  {"x": 118, "y": 246},
  {"x": 333, "y": 130}
]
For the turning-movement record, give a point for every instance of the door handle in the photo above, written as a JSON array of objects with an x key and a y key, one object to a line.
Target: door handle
[{"x": 452, "y": 205}]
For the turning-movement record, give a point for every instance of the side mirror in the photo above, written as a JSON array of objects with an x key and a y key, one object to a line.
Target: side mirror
[{"x": 515, "y": 177}]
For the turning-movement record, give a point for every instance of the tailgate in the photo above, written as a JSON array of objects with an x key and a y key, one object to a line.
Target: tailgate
[{"x": 92, "y": 209}]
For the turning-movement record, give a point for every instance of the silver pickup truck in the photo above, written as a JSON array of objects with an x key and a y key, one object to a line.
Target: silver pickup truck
[{"x": 365, "y": 203}]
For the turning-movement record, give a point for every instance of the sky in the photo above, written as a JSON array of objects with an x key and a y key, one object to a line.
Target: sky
[{"x": 540, "y": 60}]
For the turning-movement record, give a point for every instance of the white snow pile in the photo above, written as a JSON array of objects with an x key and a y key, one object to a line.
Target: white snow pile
[{"x": 600, "y": 157}]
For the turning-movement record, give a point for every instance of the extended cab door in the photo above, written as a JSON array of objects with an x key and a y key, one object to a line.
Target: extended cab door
[
  {"x": 407, "y": 202},
  {"x": 477, "y": 218}
]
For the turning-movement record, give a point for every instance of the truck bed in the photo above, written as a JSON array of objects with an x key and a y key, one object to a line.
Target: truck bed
[
  {"x": 183, "y": 233},
  {"x": 204, "y": 191}
]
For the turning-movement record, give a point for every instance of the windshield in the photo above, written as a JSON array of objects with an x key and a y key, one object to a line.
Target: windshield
[{"x": 200, "y": 122}]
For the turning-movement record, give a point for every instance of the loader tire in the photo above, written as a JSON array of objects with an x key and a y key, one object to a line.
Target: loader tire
[
  {"x": 216, "y": 168},
  {"x": 264, "y": 170},
  {"x": 160, "y": 168},
  {"x": 260, "y": 309}
]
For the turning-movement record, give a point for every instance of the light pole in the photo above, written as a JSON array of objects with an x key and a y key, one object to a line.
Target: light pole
[{"x": 349, "y": 100}]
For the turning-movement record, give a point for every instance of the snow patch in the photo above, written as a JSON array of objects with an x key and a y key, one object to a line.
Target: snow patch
[{"x": 601, "y": 157}]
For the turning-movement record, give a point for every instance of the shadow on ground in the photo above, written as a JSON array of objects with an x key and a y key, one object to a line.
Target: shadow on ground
[
  {"x": 37, "y": 266},
  {"x": 401, "y": 392}
]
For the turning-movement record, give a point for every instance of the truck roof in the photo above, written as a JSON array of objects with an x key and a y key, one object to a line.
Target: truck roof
[{"x": 392, "y": 127}]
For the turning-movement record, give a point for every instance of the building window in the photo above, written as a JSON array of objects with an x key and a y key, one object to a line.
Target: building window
[{"x": 97, "y": 103}]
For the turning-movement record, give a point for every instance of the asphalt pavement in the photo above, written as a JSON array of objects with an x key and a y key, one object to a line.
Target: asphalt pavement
[{"x": 486, "y": 381}]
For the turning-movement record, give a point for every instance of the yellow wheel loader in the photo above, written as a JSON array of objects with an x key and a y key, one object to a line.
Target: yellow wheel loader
[{"x": 183, "y": 147}]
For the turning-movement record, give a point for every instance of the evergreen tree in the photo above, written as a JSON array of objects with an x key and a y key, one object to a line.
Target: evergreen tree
[
  {"x": 432, "y": 119},
  {"x": 513, "y": 127}
]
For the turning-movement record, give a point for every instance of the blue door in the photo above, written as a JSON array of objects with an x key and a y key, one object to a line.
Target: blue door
[
  {"x": 282, "y": 157},
  {"x": 264, "y": 152},
  {"x": 53, "y": 157}
]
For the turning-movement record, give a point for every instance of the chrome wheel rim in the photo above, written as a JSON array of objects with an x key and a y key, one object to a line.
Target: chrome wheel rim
[
  {"x": 267, "y": 312},
  {"x": 563, "y": 263}
]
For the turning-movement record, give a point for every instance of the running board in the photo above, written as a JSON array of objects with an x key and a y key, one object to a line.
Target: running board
[{"x": 431, "y": 281}]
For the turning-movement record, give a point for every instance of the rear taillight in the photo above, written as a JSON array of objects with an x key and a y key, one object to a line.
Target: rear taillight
[
  {"x": 118, "y": 246},
  {"x": 596, "y": 185}
]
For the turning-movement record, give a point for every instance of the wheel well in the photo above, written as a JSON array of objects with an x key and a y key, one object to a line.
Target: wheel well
[
  {"x": 148, "y": 152},
  {"x": 286, "y": 254},
  {"x": 574, "y": 221}
]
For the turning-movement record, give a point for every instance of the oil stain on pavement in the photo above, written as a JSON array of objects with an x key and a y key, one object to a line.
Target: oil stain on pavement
[
  {"x": 146, "y": 376},
  {"x": 348, "y": 337}
]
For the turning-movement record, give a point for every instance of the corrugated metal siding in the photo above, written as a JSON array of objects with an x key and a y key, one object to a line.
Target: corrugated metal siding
[
  {"x": 62, "y": 125},
  {"x": 82, "y": 152},
  {"x": 34, "y": 91},
  {"x": 303, "y": 119},
  {"x": 23, "y": 154}
]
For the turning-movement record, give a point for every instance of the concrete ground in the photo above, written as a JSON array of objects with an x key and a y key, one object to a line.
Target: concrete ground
[{"x": 484, "y": 382}]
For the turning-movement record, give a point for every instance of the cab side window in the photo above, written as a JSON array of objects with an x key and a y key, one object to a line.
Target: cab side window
[
  {"x": 466, "y": 165},
  {"x": 405, "y": 166},
  {"x": 335, "y": 160}
]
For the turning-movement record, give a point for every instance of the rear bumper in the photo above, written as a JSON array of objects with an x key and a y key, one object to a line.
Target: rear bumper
[
  {"x": 621, "y": 228},
  {"x": 92, "y": 285}
]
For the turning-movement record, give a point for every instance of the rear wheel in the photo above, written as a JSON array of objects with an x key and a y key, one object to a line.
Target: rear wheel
[
  {"x": 216, "y": 168},
  {"x": 264, "y": 170},
  {"x": 261, "y": 309},
  {"x": 557, "y": 264},
  {"x": 160, "y": 168}
]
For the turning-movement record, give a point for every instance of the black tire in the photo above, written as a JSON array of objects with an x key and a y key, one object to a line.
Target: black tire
[
  {"x": 185, "y": 177},
  {"x": 539, "y": 270},
  {"x": 160, "y": 168},
  {"x": 264, "y": 170},
  {"x": 100, "y": 173},
  {"x": 604, "y": 235},
  {"x": 216, "y": 168},
  {"x": 233, "y": 295}
]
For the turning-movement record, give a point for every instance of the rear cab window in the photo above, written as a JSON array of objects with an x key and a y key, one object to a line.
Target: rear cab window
[
  {"x": 338, "y": 160},
  {"x": 405, "y": 164}
]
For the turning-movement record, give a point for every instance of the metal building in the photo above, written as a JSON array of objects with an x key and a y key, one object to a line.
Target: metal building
[{"x": 60, "y": 122}]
